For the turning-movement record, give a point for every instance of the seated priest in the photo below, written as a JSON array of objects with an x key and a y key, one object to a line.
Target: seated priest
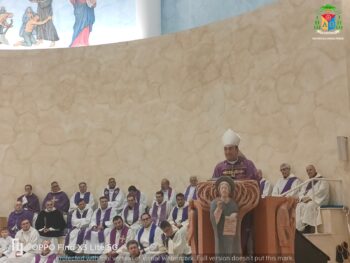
[
  {"x": 265, "y": 185},
  {"x": 28, "y": 239},
  {"x": 140, "y": 197},
  {"x": 16, "y": 217},
  {"x": 29, "y": 200},
  {"x": 134, "y": 254},
  {"x": 5, "y": 244},
  {"x": 82, "y": 194},
  {"x": 59, "y": 198},
  {"x": 307, "y": 211},
  {"x": 160, "y": 208},
  {"x": 149, "y": 237},
  {"x": 179, "y": 214},
  {"x": 169, "y": 193},
  {"x": 116, "y": 240},
  {"x": 80, "y": 221},
  {"x": 46, "y": 253},
  {"x": 191, "y": 190},
  {"x": 101, "y": 220},
  {"x": 114, "y": 195},
  {"x": 50, "y": 223},
  {"x": 132, "y": 212},
  {"x": 286, "y": 183},
  {"x": 176, "y": 243}
]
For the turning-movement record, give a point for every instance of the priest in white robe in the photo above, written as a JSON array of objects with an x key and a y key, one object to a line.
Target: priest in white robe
[
  {"x": 95, "y": 235},
  {"x": 81, "y": 219},
  {"x": 176, "y": 243},
  {"x": 132, "y": 212},
  {"x": 46, "y": 255},
  {"x": 286, "y": 183},
  {"x": 265, "y": 185},
  {"x": 179, "y": 214},
  {"x": 169, "y": 192},
  {"x": 160, "y": 208},
  {"x": 82, "y": 194},
  {"x": 5, "y": 244},
  {"x": 149, "y": 237},
  {"x": 116, "y": 240},
  {"x": 28, "y": 241},
  {"x": 114, "y": 195},
  {"x": 140, "y": 196},
  {"x": 307, "y": 211},
  {"x": 191, "y": 190}
]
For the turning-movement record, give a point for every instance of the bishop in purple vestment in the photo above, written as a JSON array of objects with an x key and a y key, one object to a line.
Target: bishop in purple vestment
[{"x": 60, "y": 198}]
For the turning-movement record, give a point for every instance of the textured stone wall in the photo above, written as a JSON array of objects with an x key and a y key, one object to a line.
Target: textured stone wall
[{"x": 155, "y": 108}]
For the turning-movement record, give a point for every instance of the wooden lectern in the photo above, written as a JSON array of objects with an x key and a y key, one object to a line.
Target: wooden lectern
[{"x": 274, "y": 223}]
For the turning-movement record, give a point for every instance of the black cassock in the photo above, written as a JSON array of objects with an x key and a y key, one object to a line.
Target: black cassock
[
  {"x": 53, "y": 219},
  {"x": 46, "y": 31}
]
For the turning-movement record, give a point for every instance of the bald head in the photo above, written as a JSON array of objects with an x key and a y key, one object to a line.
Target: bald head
[
  {"x": 165, "y": 184},
  {"x": 311, "y": 171},
  {"x": 193, "y": 180},
  {"x": 285, "y": 170}
]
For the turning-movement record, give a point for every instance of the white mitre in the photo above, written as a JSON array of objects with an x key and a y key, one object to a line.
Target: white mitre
[{"x": 230, "y": 138}]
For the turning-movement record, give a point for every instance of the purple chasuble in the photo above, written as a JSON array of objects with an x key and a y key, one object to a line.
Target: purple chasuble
[
  {"x": 60, "y": 199},
  {"x": 242, "y": 169},
  {"x": 32, "y": 204},
  {"x": 50, "y": 259},
  {"x": 288, "y": 185},
  {"x": 14, "y": 221}
]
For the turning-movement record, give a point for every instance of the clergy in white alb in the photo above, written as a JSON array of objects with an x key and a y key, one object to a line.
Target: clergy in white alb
[
  {"x": 114, "y": 195},
  {"x": 46, "y": 254},
  {"x": 101, "y": 220},
  {"x": 5, "y": 244},
  {"x": 116, "y": 239},
  {"x": 149, "y": 237},
  {"x": 191, "y": 190},
  {"x": 132, "y": 212},
  {"x": 307, "y": 210},
  {"x": 169, "y": 192},
  {"x": 287, "y": 182},
  {"x": 28, "y": 237},
  {"x": 265, "y": 185},
  {"x": 176, "y": 243},
  {"x": 160, "y": 209},
  {"x": 179, "y": 214},
  {"x": 82, "y": 194},
  {"x": 81, "y": 219},
  {"x": 140, "y": 196}
]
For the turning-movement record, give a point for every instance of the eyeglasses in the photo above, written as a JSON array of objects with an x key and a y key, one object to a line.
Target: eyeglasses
[{"x": 145, "y": 219}]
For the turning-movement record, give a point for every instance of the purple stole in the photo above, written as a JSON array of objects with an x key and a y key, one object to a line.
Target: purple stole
[
  {"x": 81, "y": 233},
  {"x": 101, "y": 237},
  {"x": 184, "y": 216},
  {"x": 86, "y": 197},
  {"x": 262, "y": 186},
  {"x": 138, "y": 196},
  {"x": 122, "y": 240},
  {"x": 289, "y": 184},
  {"x": 162, "y": 215},
  {"x": 309, "y": 185},
  {"x": 115, "y": 193},
  {"x": 151, "y": 235},
  {"x": 50, "y": 259},
  {"x": 188, "y": 192},
  {"x": 135, "y": 216}
]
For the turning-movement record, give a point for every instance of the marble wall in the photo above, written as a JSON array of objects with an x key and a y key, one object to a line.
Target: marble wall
[{"x": 144, "y": 110}]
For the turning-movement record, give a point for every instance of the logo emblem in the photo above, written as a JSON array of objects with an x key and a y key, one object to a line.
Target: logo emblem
[{"x": 328, "y": 20}]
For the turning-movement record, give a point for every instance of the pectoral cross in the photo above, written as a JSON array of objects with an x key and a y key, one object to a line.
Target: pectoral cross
[
  {"x": 122, "y": 240},
  {"x": 54, "y": 200}
]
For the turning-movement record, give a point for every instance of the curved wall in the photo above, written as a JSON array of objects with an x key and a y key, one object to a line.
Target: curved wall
[{"x": 155, "y": 108}]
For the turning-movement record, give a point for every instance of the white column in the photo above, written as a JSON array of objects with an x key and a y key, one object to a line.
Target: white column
[{"x": 148, "y": 17}]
